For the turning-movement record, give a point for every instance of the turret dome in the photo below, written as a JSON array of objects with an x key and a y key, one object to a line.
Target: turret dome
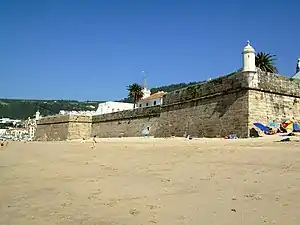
[{"x": 248, "y": 48}]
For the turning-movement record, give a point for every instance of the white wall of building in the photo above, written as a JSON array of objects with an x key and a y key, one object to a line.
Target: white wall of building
[
  {"x": 149, "y": 103},
  {"x": 110, "y": 107},
  {"x": 152, "y": 100}
]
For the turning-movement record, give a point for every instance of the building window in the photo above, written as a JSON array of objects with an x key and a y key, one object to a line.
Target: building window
[
  {"x": 140, "y": 105},
  {"x": 147, "y": 104},
  {"x": 154, "y": 103}
]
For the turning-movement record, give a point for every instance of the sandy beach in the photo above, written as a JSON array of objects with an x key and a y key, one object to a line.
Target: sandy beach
[{"x": 151, "y": 181}]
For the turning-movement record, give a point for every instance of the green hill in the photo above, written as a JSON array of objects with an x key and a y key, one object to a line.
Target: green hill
[{"x": 22, "y": 109}]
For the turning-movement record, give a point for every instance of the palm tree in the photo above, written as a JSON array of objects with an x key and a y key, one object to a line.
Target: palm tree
[
  {"x": 135, "y": 92},
  {"x": 266, "y": 62}
]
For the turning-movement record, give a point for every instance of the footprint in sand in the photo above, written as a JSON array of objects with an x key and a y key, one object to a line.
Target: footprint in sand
[{"x": 133, "y": 212}]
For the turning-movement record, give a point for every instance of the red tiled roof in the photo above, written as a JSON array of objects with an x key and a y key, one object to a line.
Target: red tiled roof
[{"x": 154, "y": 96}]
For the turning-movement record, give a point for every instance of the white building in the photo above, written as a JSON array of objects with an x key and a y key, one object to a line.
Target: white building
[
  {"x": 8, "y": 120},
  {"x": 17, "y": 132},
  {"x": 152, "y": 100},
  {"x": 110, "y": 107}
]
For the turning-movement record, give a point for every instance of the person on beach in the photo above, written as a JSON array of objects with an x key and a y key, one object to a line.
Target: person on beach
[{"x": 94, "y": 141}]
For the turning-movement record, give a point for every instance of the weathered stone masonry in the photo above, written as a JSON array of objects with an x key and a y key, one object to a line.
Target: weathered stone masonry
[
  {"x": 129, "y": 123},
  {"x": 273, "y": 97},
  {"x": 212, "y": 109},
  {"x": 58, "y": 128},
  {"x": 223, "y": 106}
]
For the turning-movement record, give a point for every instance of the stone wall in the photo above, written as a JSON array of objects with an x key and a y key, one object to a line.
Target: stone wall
[
  {"x": 273, "y": 98},
  {"x": 211, "y": 109},
  {"x": 210, "y": 117},
  {"x": 276, "y": 84},
  {"x": 58, "y": 128},
  {"x": 79, "y": 127},
  {"x": 52, "y": 128},
  {"x": 227, "y": 105},
  {"x": 210, "y": 89},
  {"x": 129, "y": 123},
  {"x": 267, "y": 107}
]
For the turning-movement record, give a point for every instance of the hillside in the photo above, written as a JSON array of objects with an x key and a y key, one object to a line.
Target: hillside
[{"x": 22, "y": 109}]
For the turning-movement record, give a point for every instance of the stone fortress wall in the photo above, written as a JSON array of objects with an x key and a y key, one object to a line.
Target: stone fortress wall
[
  {"x": 129, "y": 123},
  {"x": 227, "y": 105},
  {"x": 212, "y": 109},
  {"x": 63, "y": 127},
  {"x": 273, "y": 98}
]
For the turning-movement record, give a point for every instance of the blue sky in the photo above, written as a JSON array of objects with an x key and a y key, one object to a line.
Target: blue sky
[{"x": 93, "y": 49}]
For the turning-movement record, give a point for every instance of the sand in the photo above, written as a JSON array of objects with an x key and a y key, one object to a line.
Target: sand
[{"x": 151, "y": 181}]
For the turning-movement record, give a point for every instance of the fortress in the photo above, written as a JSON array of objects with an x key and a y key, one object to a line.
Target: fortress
[{"x": 227, "y": 105}]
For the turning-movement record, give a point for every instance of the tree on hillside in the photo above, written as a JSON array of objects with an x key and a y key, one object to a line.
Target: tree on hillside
[
  {"x": 135, "y": 92},
  {"x": 266, "y": 62}
]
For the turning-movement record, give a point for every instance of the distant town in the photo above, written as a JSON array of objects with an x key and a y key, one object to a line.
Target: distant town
[{"x": 16, "y": 130}]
